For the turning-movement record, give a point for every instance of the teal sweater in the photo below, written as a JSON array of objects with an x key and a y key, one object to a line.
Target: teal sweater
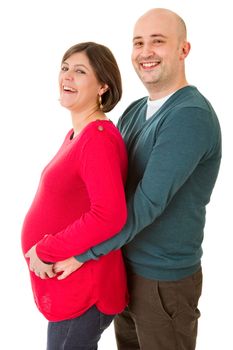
[{"x": 174, "y": 160}]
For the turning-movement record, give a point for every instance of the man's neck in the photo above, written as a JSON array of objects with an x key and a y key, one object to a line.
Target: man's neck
[{"x": 156, "y": 93}]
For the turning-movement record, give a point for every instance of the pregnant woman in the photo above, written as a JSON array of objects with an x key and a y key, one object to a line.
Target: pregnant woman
[{"x": 79, "y": 203}]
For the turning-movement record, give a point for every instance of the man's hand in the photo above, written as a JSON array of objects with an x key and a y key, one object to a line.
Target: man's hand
[
  {"x": 66, "y": 267},
  {"x": 40, "y": 269}
]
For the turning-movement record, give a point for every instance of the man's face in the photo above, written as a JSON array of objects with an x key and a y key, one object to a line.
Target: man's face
[{"x": 157, "y": 50}]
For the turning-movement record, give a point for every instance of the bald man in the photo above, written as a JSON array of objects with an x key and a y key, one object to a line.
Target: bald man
[{"x": 174, "y": 146}]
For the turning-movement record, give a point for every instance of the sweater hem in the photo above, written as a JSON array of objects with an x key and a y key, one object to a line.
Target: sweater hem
[{"x": 160, "y": 274}]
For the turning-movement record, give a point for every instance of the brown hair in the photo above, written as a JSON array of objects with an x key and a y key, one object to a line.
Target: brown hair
[{"x": 106, "y": 70}]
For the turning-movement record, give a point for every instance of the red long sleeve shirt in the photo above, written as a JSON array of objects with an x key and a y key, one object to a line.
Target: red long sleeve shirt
[{"x": 79, "y": 203}]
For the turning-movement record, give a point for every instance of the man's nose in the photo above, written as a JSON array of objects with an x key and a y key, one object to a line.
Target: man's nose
[{"x": 147, "y": 50}]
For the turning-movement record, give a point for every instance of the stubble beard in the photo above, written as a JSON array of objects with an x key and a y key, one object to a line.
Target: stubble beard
[{"x": 150, "y": 79}]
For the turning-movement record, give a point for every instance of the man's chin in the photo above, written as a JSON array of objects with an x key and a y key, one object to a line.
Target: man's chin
[{"x": 149, "y": 81}]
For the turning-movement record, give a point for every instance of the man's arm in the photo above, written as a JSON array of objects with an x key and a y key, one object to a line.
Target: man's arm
[{"x": 181, "y": 144}]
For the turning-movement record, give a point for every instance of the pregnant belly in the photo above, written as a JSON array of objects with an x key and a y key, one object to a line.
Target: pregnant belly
[
  {"x": 64, "y": 299},
  {"x": 29, "y": 238}
]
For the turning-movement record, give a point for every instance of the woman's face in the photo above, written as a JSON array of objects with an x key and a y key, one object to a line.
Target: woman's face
[{"x": 79, "y": 87}]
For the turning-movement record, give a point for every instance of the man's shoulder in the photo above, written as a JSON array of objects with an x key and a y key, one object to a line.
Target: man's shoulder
[
  {"x": 136, "y": 104},
  {"x": 191, "y": 97},
  {"x": 134, "y": 109}
]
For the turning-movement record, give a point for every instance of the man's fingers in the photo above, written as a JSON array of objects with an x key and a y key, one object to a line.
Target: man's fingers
[
  {"x": 63, "y": 275},
  {"x": 57, "y": 268}
]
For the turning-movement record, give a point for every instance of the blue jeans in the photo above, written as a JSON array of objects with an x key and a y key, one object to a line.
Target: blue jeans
[{"x": 80, "y": 333}]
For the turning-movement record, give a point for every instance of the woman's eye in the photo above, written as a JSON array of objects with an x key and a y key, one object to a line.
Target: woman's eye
[
  {"x": 76, "y": 70},
  {"x": 80, "y": 71},
  {"x": 64, "y": 68}
]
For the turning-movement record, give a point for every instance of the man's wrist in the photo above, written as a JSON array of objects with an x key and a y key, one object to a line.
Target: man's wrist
[{"x": 88, "y": 255}]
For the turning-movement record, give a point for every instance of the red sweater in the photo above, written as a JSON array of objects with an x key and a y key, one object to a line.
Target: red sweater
[{"x": 79, "y": 203}]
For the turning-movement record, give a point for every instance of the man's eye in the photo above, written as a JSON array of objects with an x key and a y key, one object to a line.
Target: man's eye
[
  {"x": 138, "y": 43},
  {"x": 158, "y": 41}
]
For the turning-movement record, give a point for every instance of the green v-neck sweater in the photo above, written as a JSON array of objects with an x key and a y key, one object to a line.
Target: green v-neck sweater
[{"x": 174, "y": 159}]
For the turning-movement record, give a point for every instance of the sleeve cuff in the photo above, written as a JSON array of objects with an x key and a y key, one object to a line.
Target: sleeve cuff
[{"x": 88, "y": 255}]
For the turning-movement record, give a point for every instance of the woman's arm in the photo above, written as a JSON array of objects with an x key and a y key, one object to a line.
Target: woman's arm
[{"x": 103, "y": 170}]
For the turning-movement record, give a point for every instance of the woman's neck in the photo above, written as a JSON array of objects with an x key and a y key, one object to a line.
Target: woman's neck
[{"x": 81, "y": 120}]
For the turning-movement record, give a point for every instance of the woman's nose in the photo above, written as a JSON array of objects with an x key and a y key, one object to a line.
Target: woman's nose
[{"x": 68, "y": 75}]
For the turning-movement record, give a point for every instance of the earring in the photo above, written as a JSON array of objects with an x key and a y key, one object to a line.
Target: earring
[{"x": 100, "y": 103}]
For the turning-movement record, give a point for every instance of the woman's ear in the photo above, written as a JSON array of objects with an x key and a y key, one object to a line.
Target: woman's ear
[{"x": 103, "y": 89}]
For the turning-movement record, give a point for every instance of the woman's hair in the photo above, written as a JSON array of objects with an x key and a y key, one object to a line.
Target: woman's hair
[{"x": 106, "y": 70}]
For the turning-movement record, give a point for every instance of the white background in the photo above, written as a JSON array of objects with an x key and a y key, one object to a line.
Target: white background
[{"x": 34, "y": 36}]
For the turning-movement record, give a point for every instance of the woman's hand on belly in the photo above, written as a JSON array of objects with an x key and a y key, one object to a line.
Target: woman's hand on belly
[{"x": 37, "y": 266}]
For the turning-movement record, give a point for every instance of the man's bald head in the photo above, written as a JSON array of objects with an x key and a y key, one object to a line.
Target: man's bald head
[
  {"x": 159, "y": 50},
  {"x": 170, "y": 19}
]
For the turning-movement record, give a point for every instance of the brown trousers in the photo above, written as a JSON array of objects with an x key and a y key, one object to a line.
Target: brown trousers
[{"x": 160, "y": 315}]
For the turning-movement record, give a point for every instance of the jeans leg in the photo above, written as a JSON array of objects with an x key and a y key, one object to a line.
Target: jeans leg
[{"x": 80, "y": 333}]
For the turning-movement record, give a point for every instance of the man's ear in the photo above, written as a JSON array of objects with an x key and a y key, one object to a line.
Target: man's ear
[{"x": 185, "y": 48}]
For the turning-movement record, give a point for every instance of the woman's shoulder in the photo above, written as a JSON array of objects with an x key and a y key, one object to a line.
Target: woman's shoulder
[{"x": 101, "y": 129}]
